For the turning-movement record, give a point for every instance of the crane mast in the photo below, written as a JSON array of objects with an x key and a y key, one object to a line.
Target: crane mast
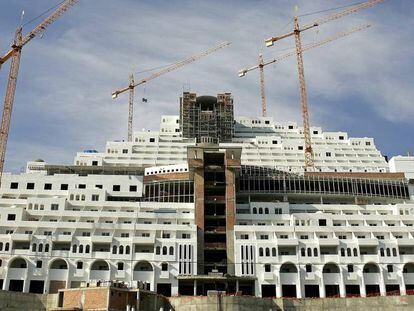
[
  {"x": 309, "y": 157},
  {"x": 309, "y": 161},
  {"x": 262, "y": 86},
  {"x": 133, "y": 84},
  {"x": 131, "y": 106},
  {"x": 9, "y": 98},
  {"x": 15, "y": 54}
]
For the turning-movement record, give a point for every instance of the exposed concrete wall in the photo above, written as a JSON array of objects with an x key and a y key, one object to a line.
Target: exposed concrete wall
[
  {"x": 10, "y": 301},
  {"x": 233, "y": 303}
]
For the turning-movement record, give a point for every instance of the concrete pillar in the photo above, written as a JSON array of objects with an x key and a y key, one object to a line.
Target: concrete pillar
[
  {"x": 237, "y": 286},
  {"x": 257, "y": 289},
  {"x": 299, "y": 293},
  {"x": 322, "y": 292},
  {"x": 403, "y": 289},
  {"x": 383, "y": 291},
  {"x": 278, "y": 283},
  {"x": 195, "y": 288},
  {"x": 362, "y": 285},
  {"x": 342, "y": 290},
  {"x": 6, "y": 279}
]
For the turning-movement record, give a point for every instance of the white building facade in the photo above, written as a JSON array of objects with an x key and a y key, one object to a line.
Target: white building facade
[{"x": 243, "y": 216}]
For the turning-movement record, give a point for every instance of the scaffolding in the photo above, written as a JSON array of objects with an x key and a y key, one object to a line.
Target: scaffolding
[{"x": 209, "y": 119}]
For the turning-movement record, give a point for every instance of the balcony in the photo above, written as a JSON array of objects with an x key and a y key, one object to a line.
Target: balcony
[
  {"x": 287, "y": 242},
  {"x": 392, "y": 276},
  {"x": 268, "y": 275},
  {"x": 79, "y": 273},
  {"x": 120, "y": 274},
  {"x": 352, "y": 276},
  {"x": 310, "y": 276},
  {"x": 164, "y": 274}
]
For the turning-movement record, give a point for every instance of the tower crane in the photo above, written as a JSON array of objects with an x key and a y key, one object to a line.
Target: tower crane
[
  {"x": 133, "y": 84},
  {"x": 14, "y": 53},
  {"x": 309, "y": 157},
  {"x": 307, "y": 47}
]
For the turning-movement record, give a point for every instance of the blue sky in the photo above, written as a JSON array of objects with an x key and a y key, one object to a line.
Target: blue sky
[{"x": 362, "y": 84}]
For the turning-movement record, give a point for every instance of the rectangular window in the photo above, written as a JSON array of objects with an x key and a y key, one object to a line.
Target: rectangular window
[
  {"x": 322, "y": 222},
  {"x": 47, "y": 233},
  {"x": 152, "y": 140},
  {"x": 95, "y": 197},
  {"x": 124, "y": 150},
  {"x": 116, "y": 188},
  {"x": 244, "y": 237},
  {"x": 95, "y": 163},
  {"x": 308, "y": 268},
  {"x": 86, "y": 234},
  {"x": 133, "y": 188},
  {"x": 350, "y": 268},
  {"x": 268, "y": 268},
  {"x": 11, "y": 217},
  {"x": 328, "y": 154},
  {"x": 64, "y": 187},
  {"x": 79, "y": 265},
  {"x": 264, "y": 237},
  {"x": 124, "y": 235},
  {"x": 165, "y": 235},
  {"x": 48, "y": 187},
  {"x": 99, "y": 186},
  {"x": 39, "y": 264},
  {"x": 54, "y": 207},
  {"x": 390, "y": 268},
  {"x": 30, "y": 185},
  {"x": 14, "y": 185},
  {"x": 120, "y": 266},
  {"x": 186, "y": 236},
  {"x": 81, "y": 186}
]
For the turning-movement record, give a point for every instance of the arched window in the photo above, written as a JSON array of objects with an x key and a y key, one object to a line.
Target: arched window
[
  {"x": 80, "y": 249},
  {"x": 266, "y": 210},
  {"x": 87, "y": 249},
  {"x": 171, "y": 250},
  {"x": 1, "y": 246},
  {"x": 302, "y": 252},
  {"x": 83, "y": 197},
  {"x": 164, "y": 250},
  {"x": 348, "y": 252},
  {"x": 74, "y": 248},
  {"x": 40, "y": 247},
  {"x": 6, "y": 246},
  {"x": 71, "y": 197},
  {"x": 388, "y": 252},
  {"x": 127, "y": 249},
  {"x": 158, "y": 250},
  {"x": 309, "y": 252},
  {"x": 121, "y": 250},
  {"x": 114, "y": 249},
  {"x": 1, "y": 262},
  {"x": 267, "y": 252},
  {"x": 274, "y": 252},
  {"x": 34, "y": 247},
  {"x": 394, "y": 252},
  {"x": 342, "y": 252},
  {"x": 315, "y": 252},
  {"x": 260, "y": 210},
  {"x": 261, "y": 252},
  {"x": 382, "y": 252},
  {"x": 77, "y": 197},
  {"x": 254, "y": 210},
  {"x": 46, "y": 248},
  {"x": 355, "y": 252}
]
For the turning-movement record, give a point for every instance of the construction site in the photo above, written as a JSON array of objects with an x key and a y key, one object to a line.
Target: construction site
[{"x": 213, "y": 210}]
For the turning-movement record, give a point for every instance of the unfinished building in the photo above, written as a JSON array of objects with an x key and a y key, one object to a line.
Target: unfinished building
[{"x": 207, "y": 118}]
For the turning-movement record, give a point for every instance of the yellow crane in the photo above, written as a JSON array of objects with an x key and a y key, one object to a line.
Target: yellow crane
[
  {"x": 307, "y": 47},
  {"x": 14, "y": 53},
  {"x": 133, "y": 84},
  {"x": 309, "y": 158}
]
